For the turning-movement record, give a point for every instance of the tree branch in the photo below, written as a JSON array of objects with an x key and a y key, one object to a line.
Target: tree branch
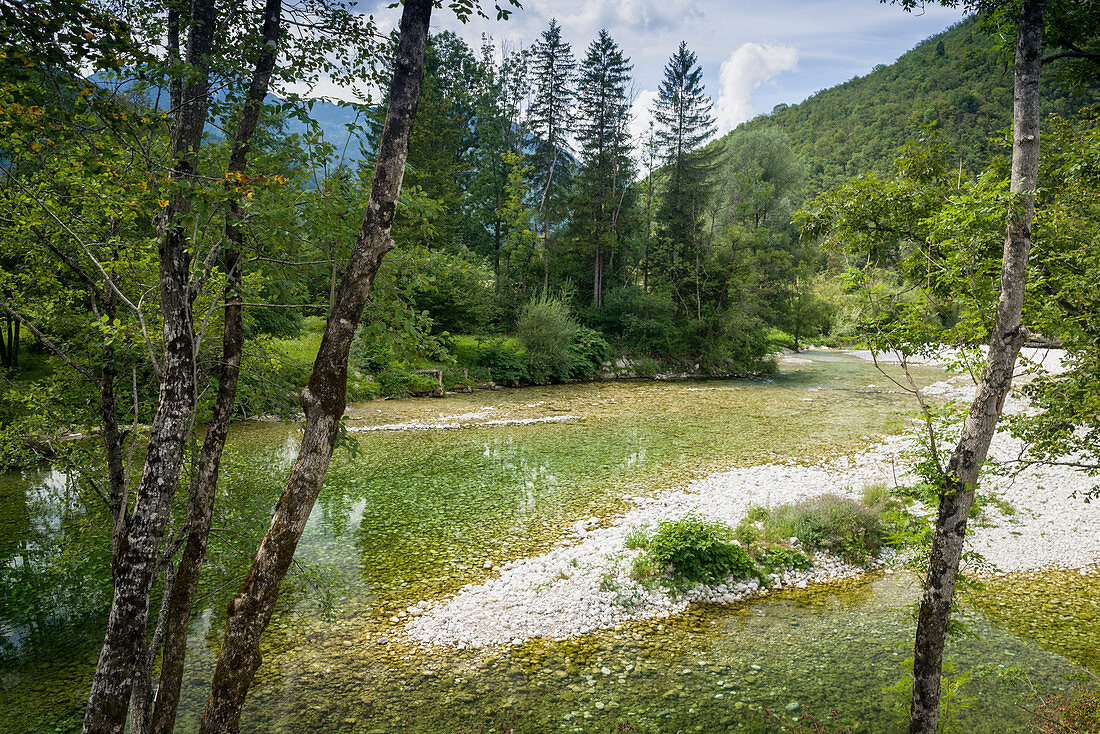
[{"x": 49, "y": 344}]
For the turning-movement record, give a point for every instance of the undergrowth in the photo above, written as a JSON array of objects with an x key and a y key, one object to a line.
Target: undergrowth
[
  {"x": 843, "y": 526},
  {"x": 692, "y": 551}
]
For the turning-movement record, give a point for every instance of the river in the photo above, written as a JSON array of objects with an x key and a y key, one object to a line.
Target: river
[{"x": 430, "y": 491}]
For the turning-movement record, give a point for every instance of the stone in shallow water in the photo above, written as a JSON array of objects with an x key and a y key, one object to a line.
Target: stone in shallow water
[{"x": 793, "y": 706}]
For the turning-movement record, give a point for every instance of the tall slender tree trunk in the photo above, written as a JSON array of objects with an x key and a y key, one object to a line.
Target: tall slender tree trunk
[
  {"x": 1006, "y": 339},
  {"x": 200, "y": 507},
  {"x": 698, "y": 294},
  {"x": 323, "y": 397},
  {"x": 135, "y": 563},
  {"x": 597, "y": 279},
  {"x": 9, "y": 350}
]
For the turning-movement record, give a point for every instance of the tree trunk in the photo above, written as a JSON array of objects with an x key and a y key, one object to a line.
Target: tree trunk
[
  {"x": 323, "y": 397},
  {"x": 5, "y": 360},
  {"x": 698, "y": 294},
  {"x": 200, "y": 507},
  {"x": 134, "y": 566},
  {"x": 9, "y": 349},
  {"x": 1008, "y": 335},
  {"x": 597, "y": 275}
]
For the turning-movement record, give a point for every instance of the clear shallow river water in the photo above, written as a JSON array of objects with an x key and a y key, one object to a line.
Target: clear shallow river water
[{"x": 415, "y": 514}]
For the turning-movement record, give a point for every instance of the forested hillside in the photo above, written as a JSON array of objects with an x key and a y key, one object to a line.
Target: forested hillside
[{"x": 955, "y": 80}]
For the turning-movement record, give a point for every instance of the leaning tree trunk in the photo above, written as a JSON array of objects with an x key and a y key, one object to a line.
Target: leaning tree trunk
[
  {"x": 200, "y": 508},
  {"x": 323, "y": 397},
  {"x": 1006, "y": 339},
  {"x": 134, "y": 565}
]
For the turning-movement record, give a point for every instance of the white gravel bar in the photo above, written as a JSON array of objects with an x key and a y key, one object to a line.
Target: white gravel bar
[{"x": 583, "y": 584}]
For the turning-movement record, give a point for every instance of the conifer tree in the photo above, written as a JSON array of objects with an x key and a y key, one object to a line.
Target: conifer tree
[
  {"x": 684, "y": 123},
  {"x": 499, "y": 91},
  {"x": 603, "y": 111},
  {"x": 552, "y": 78}
]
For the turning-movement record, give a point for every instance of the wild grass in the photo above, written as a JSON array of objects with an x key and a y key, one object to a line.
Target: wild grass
[{"x": 844, "y": 526}]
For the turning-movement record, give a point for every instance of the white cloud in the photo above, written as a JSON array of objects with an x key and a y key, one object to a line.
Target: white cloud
[
  {"x": 652, "y": 16},
  {"x": 746, "y": 69}
]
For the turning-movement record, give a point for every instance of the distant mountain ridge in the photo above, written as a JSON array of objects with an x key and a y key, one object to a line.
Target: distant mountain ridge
[{"x": 954, "y": 79}]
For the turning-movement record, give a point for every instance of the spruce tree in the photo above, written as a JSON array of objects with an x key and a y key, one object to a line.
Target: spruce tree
[
  {"x": 603, "y": 111},
  {"x": 552, "y": 78},
  {"x": 684, "y": 123}
]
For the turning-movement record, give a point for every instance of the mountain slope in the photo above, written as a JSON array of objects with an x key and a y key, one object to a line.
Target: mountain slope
[{"x": 955, "y": 80}]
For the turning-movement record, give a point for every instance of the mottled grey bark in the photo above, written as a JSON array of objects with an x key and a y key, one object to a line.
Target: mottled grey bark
[
  {"x": 200, "y": 506},
  {"x": 323, "y": 397},
  {"x": 1007, "y": 337},
  {"x": 134, "y": 565}
]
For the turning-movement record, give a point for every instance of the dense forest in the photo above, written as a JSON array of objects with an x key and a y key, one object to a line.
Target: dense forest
[
  {"x": 175, "y": 233},
  {"x": 538, "y": 242}
]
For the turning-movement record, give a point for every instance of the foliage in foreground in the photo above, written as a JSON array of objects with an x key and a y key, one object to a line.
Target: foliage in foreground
[{"x": 1068, "y": 713}]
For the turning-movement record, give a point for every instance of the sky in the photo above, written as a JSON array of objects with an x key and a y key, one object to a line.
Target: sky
[{"x": 754, "y": 55}]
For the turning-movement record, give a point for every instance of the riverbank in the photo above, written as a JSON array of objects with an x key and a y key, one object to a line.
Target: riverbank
[{"x": 584, "y": 585}]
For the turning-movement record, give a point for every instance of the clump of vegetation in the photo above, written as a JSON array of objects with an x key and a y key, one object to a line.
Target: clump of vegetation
[
  {"x": 695, "y": 550},
  {"x": 840, "y": 525},
  {"x": 547, "y": 330},
  {"x": 637, "y": 538},
  {"x": 588, "y": 350},
  {"x": 505, "y": 362},
  {"x": 776, "y": 558}
]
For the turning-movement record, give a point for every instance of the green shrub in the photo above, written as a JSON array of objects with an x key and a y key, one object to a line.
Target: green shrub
[
  {"x": 748, "y": 533},
  {"x": 372, "y": 356},
  {"x": 698, "y": 550},
  {"x": 458, "y": 294},
  {"x": 457, "y": 378},
  {"x": 589, "y": 351},
  {"x": 728, "y": 343},
  {"x": 423, "y": 385},
  {"x": 547, "y": 330},
  {"x": 639, "y": 321},
  {"x": 837, "y": 524},
  {"x": 394, "y": 382},
  {"x": 751, "y": 529},
  {"x": 504, "y": 362},
  {"x": 644, "y": 568},
  {"x": 772, "y": 559},
  {"x": 645, "y": 367},
  {"x": 360, "y": 390}
]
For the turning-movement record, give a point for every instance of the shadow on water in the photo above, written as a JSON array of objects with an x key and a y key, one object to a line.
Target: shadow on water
[{"x": 416, "y": 514}]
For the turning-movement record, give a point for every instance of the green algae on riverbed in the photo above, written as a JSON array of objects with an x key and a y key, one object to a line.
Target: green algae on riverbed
[
  {"x": 1058, "y": 609},
  {"x": 416, "y": 514},
  {"x": 710, "y": 669}
]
